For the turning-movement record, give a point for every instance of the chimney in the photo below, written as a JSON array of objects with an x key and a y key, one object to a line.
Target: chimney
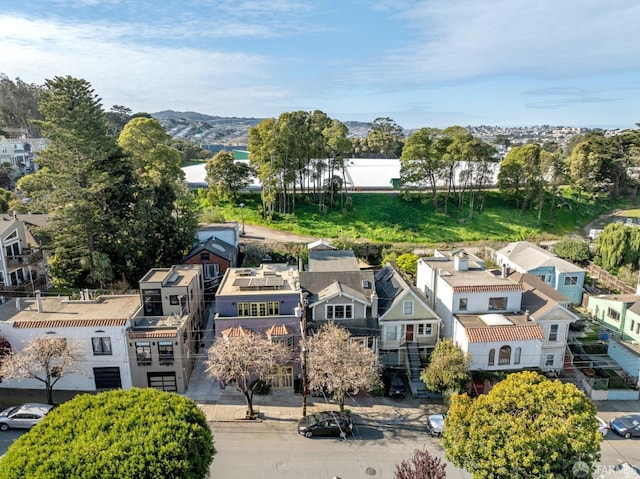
[
  {"x": 527, "y": 315},
  {"x": 461, "y": 262},
  {"x": 39, "y": 300},
  {"x": 374, "y": 305},
  {"x": 505, "y": 270}
]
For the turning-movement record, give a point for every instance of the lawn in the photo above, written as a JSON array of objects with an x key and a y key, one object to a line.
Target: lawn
[{"x": 388, "y": 218}]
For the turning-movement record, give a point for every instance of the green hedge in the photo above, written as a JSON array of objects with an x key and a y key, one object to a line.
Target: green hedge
[{"x": 134, "y": 434}]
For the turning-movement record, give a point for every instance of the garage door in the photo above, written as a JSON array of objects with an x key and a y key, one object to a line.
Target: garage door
[
  {"x": 162, "y": 381},
  {"x": 107, "y": 378}
]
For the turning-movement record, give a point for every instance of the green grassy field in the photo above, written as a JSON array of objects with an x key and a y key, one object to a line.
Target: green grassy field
[{"x": 386, "y": 217}]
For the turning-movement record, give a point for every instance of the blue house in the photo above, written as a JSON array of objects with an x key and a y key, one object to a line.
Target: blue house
[{"x": 525, "y": 257}]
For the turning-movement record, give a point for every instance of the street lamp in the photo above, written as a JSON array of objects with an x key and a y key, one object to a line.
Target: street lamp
[{"x": 242, "y": 214}]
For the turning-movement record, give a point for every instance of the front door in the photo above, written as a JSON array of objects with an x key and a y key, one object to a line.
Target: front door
[{"x": 409, "y": 334}]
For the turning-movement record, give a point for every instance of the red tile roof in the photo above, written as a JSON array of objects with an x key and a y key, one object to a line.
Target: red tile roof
[
  {"x": 279, "y": 330},
  {"x": 487, "y": 288},
  {"x": 235, "y": 331},
  {"x": 69, "y": 323},
  {"x": 154, "y": 334},
  {"x": 491, "y": 334}
]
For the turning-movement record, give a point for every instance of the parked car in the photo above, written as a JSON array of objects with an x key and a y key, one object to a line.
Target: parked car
[
  {"x": 435, "y": 424},
  {"x": 396, "y": 387},
  {"x": 603, "y": 427},
  {"x": 23, "y": 417},
  {"x": 626, "y": 426},
  {"x": 326, "y": 423}
]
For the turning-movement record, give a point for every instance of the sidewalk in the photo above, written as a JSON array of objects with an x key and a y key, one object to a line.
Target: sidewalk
[{"x": 227, "y": 404}]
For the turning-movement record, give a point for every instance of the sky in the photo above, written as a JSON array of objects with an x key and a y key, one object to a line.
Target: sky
[{"x": 421, "y": 63}]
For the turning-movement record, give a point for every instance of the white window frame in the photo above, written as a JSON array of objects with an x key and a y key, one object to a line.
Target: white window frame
[
  {"x": 550, "y": 360},
  {"x": 460, "y": 304},
  {"x": 571, "y": 280},
  {"x": 407, "y": 308},
  {"x": 424, "y": 329},
  {"x": 391, "y": 333},
  {"x": 330, "y": 311},
  {"x": 101, "y": 346},
  {"x": 506, "y": 303},
  {"x": 554, "y": 329}
]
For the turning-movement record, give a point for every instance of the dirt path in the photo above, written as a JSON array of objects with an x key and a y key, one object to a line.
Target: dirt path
[{"x": 262, "y": 234}]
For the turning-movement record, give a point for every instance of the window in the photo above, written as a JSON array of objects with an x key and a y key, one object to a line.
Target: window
[
  {"x": 492, "y": 357},
  {"x": 391, "y": 333},
  {"x": 545, "y": 277},
  {"x": 143, "y": 353},
  {"x": 407, "y": 308},
  {"x": 101, "y": 346},
  {"x": 516, "y": 357},
  {"x": 553, "y": 332},
  {"x": 243, "y": 309},
  {"x": 549, "y": 360},
  {"x": 633, "y": 323},
  {"x": 204, "y": 256},
  {"x": 152, "y": 300},
  {"x": 254, "y": 309},
  {"x": 339, "y": 311},
  {"x": 462, "y": 304},
  {"x": 424, "y": 329},
  {"x": 287, "y": 342},
  {"x": 570, "y": 280},
  {"x": 613, "y": 314},
  {"x": 497, "y": 304},
  {"x": 165, "y": 352},
  {"x": 273, "y": 308},
  {"x": 211, "y": 270},
  {"x": 505, "y": 355},
  {"x": 173, "y": 299}
]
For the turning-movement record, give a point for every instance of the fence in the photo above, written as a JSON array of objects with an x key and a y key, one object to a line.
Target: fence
[{"x": 608, "y": 280}]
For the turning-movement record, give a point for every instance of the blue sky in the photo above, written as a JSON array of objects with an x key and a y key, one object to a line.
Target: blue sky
[{"x": 421, "y": 63}]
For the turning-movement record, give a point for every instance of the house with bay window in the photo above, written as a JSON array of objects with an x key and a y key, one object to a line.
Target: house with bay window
[
  {"x": 265, "y": 301},
  {"x": 409, "y": 328},
  {"x": 505, "y": 322},
  {"x": 338, "y": 290},
  {"x": 136, "y": 340},
  {"x": 165, "y": 334}
]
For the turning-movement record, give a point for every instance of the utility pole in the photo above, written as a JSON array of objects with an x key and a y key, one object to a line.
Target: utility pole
[{"x": 303, "y": 329}]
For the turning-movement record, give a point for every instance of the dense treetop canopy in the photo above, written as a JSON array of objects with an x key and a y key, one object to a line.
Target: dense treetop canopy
[{"x": 134, "y": 434}]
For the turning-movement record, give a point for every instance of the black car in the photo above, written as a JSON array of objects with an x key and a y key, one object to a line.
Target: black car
[
  {"x": 327, "y": 423},
  {"x": 626, "y": 426},
  {"x": 396, "y": 386}
]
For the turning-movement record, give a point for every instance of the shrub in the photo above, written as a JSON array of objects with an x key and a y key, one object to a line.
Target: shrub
[{"x": 134, "y": 434}]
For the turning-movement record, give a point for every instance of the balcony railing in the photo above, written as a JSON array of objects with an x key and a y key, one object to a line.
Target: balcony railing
[{"x": 25, "y": 259}]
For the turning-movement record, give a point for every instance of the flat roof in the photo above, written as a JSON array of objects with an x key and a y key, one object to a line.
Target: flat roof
[{"x": 268, "y": 278}]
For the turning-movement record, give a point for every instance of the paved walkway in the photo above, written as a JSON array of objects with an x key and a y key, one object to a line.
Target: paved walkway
[{"x": 228, "y": 404}]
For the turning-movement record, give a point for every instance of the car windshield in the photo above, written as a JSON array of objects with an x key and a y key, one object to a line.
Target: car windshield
[{"x": 9, "y": 410}]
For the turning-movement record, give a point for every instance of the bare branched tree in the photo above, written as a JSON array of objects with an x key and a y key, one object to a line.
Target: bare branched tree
[
  {"x": 240, "y": 360},
  {"x": 421, "y": 466},
  {"x": 340, "y": 366},
  {"x": 47, "y": 359}
]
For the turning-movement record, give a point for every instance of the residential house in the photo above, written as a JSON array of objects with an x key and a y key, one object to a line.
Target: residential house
[
  {"x": 227, "y": 232},
  {"x": 164, "y": 336},
  {"x": 135, "y": 340},
  {"x": 320, "y": 245},
  {"x": 266, "y": 301},
  {"x": 620, "y": 315},
  {"x": 338, "y": 291},
  {"x": 504, "y": 322},
  {"x": 562, "y": 275},
  {"x": 98, "y": 324},
  {"x": 409, "y": 329},
  {"x": 22, "y": 266},
  {"x": 216, "y": 256}
]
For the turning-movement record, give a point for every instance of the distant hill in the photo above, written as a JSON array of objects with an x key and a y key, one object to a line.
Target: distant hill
[{"x": 234, "y": 131}]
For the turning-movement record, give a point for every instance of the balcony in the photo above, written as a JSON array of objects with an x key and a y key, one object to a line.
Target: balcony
[{"x": 29, "y": 257}]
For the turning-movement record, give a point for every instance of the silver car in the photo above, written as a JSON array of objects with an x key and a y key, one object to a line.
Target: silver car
[
  {"x": 23, "y": 417},
  {"x": 435, "y": 424}
]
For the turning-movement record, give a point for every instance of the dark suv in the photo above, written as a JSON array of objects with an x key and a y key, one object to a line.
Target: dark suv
[{"x": 396, "y": 387}]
